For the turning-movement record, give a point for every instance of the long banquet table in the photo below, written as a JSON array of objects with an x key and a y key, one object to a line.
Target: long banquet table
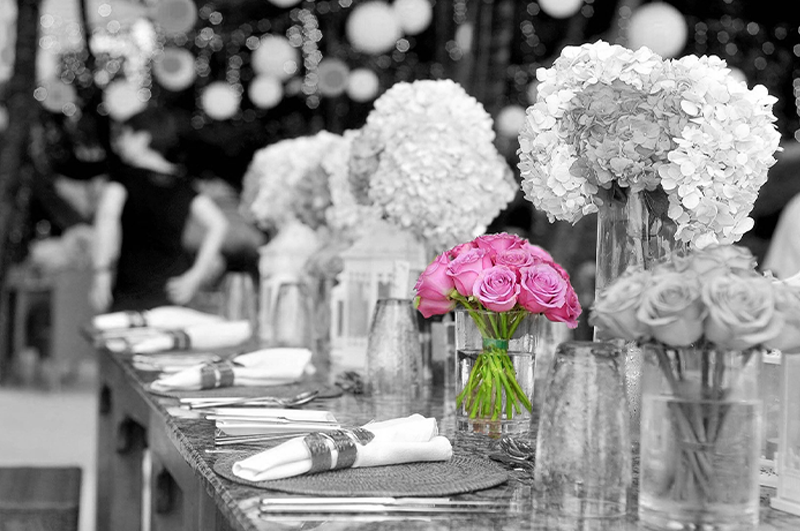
[{"x": 185, "y": 493}]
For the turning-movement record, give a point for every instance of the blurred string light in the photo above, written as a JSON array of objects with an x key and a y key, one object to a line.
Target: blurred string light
[
  {"x": 310, "y": 36},
  {"x": 149, "y": 49},
  {"x": 758, "y": 52}
]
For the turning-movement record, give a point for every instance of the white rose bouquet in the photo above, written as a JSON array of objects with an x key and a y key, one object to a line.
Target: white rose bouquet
[
  {"x": 713, "y": 295},
  {"x": 692, "y": 316}
]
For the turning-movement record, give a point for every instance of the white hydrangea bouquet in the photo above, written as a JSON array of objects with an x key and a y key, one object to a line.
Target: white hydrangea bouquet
[
  {"x": 426, "y": 159},
  {"x": 284, "y": 182},
  {"x": 608, "y": 121}
]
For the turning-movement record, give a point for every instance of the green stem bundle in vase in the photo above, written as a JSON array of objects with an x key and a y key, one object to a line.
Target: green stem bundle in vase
[
  {"x": 499, "y": 284},
  {"x": 492, "y": 382}
]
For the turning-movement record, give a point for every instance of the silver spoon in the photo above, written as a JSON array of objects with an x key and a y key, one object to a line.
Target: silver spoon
[
  {"x": 515, "y": 452},
  {"x": 298, "y": 400}
]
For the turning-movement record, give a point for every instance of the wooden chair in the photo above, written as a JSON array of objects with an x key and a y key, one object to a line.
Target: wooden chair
[{"x": 39, "y": 498}]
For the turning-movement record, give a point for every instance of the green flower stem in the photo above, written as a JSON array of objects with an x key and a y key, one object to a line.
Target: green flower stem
[{"x": 493, "y": 375}]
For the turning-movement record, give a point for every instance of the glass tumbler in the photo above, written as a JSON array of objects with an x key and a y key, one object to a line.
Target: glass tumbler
[
  {"x": 394, "y": 350},
  {"x": 583, "y": 452},
  {"x": 292, "y": 324}
]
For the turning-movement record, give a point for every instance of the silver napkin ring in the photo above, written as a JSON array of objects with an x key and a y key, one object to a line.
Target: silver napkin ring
[
  {"x": 216, "y": 375},
  {"x": 320, "y": 450},
  {"x": 321, "y": 446},
  {"x": 135, "y": 319},
  {"x": 180, "y": 340}
]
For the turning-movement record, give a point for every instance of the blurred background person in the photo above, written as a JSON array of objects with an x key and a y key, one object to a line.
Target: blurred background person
[{"x": 140, "y": 261}]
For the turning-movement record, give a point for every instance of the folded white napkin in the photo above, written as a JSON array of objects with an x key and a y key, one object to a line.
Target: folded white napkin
[
  {"x": 403, "y": 440},
  {"x": 208, "y": 336},
  {"x": 167, "y": 317},
  {"x": 272, "y": 366}
]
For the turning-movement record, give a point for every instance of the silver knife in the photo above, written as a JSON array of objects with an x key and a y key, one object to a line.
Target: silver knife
[
  {"x": 369, "y": 508},
  {"x": 327, "y": 501}
]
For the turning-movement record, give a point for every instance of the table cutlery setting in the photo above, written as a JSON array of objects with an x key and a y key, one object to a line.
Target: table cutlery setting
[
  {"x": 377, "y": 504},
  {"x": 262, "y": 401}
]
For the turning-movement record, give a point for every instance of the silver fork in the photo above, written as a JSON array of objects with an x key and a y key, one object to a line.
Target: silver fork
[{"x": 298, "y": 400}]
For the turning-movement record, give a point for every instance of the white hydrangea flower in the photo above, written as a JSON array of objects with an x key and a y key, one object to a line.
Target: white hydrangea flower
[
  {"x": 426, "y": 158},
  {"x": 272, "y": 188},
  {"x": 345, "y": 216},
  {"x": 607, "y": 116}
]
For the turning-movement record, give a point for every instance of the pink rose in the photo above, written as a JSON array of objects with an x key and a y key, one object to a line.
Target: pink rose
[
  {"x": 741, "y": 311},
  {"x": 460, "y": 249},
  {"x": 466, "y": 267},
  {"x": 434, "y": 287},
  {"x": 497, "y": 289},
  {"x": 543, "y": 288},
  {"x": 537, "y": 252},
  {"x": 516, "y": 259},
  {"x": 614, "y": 311},
  {"x": 428, "y": 307},
  {"x": 496, "y": 243},
  {"x": 673, "y": 309},
  {"x": 569, "y": 312},
  {"x": 560, "y": 269}
]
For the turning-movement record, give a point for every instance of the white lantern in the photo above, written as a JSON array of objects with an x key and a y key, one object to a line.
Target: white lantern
[
  {"x": 510, "y": 120},
  {"x": 363, "y": 85},
  {"x": 175, "y": 16},
  {"x": 265, "y": 91},
  {"x": 386, "y": 262},
  {"x": 284, "y": 3},
  {"x": 788, "y": 495},
  {"x": 373, "y": 28},
  {"x": 275, "y": 56},
  {"x": 122, "y": 100},
  {"x": 332, "y": 74},
  {"x": 658, "y": 26},
  {"x": 174, "y": 70},
  {"x": 414, "y": 16},
  {"x": 57, "y": 95},
  {"x": 560, "y": 8},
  {"x": 220, "y": 100},
  {"x": 738, "y": 75}
]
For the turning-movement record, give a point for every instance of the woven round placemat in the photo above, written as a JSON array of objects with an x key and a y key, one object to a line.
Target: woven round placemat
[
  {"x": 459, "y": 475},
  {"x": 282, "y": 391}
]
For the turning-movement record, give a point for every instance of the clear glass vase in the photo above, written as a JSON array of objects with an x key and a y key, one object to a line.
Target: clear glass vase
[
  {"x": 633, "y": 229},
  {"x": 583, "y": 454},
  {"x": 507, "y": 344},
  {"x": 700, "y": 439},
  {"x": 394, "y": 365}
]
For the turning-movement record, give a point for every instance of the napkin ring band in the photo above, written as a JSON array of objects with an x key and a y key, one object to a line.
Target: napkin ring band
[
  {"x": 320, "y": 450},
  {"x": 135, "y": 319},
  {"x": 343, "y": 441},
  {"x": 180, "y": 340},
  {"x": 216, "y": 375}
]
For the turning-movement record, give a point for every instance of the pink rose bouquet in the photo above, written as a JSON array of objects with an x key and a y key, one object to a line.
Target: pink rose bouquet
[{"x": 499, "y": 279}]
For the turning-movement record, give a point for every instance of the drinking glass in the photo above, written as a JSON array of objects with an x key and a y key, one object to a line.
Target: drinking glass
[
  {"x": 394, "y": 350},
  {"x": 292, "y": 324},
  {"x": 583, "y": 452}
]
